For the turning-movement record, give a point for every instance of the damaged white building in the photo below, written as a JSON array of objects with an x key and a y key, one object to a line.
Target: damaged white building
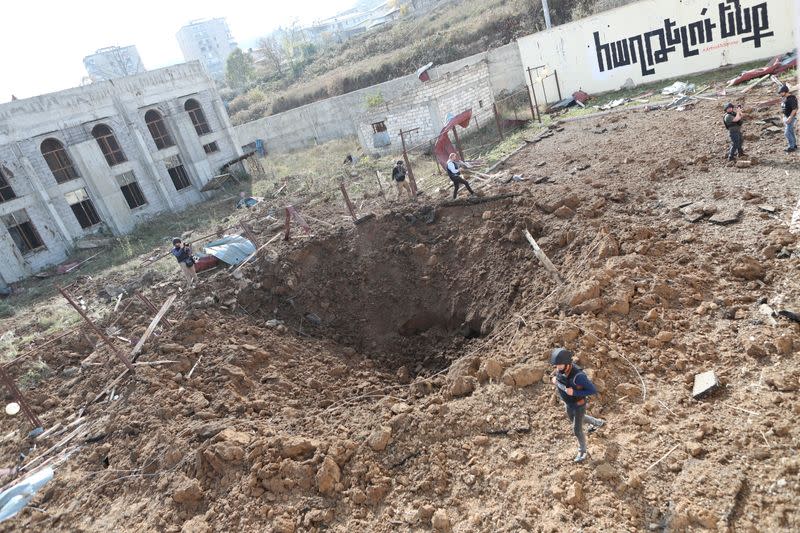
[{"x": 100, "y": 159}]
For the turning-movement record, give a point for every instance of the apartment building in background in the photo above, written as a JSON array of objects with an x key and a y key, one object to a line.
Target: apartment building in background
[
  {"x": 113, "y": 62},
  {"x": 208, "y": 41}
]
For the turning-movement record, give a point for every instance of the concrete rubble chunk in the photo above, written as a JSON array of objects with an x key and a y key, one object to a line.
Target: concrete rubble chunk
[{"x": 704, "y": 384}]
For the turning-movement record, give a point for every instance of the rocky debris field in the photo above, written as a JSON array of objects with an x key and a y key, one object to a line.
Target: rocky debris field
[{"x": 393, "y": 376}]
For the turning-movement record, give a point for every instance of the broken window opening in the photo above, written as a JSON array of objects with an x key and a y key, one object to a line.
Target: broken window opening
[
  {"x": 6, "y": 192},
  {"x": 379, "y": 127},
  {"x": 131, "y": 190},
  {"x": 198, "y": 117},
  {"x": 83, "y": 208},
  {"x": 176, "y": 171},
  {"x": 108, "y": 145},
  {"x": 210, "y": 148},
  {"x": 23, "y": 232},
  {"x": 158, "y": 130},
  {"x": 58, "y": 161}
]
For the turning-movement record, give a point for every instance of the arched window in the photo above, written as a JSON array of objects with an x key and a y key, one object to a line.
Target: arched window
[
  {"x": 158, "y": 130},
  {"x": 197, "y": 116},
  {"x": 108, "y": 144},
  {"x": 58, "y": 160}
]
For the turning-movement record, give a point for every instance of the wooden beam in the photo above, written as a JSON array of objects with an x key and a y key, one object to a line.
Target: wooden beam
[
  {"x": 548, "y": 265},
  {"x": 152, "y": 327}
]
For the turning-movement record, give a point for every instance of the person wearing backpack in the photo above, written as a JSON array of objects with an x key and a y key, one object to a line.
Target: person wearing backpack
[{"x": 574, "y": 387}]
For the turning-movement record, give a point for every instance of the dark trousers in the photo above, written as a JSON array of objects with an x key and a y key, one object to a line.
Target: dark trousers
[
  {"x": 577, "y": 414},
  {"x": 737, "y": 143},
  {"x": 458, "y": 181}
]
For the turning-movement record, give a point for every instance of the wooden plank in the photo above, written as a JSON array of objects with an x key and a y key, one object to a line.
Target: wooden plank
[
  {"x": 152, "y": 327},
  {"x": 757, "y": 83},
  {"x": 548, "y": 265}
]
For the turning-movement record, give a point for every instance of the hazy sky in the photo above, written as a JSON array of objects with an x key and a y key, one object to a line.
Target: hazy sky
[{"x": 43, "y": 42}]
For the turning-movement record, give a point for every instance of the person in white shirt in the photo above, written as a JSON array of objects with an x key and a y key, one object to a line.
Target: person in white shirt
[{"x": 455, "y": 175}]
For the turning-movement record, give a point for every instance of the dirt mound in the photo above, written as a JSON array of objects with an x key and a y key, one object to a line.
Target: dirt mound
[{"x": 392, "y": 376}]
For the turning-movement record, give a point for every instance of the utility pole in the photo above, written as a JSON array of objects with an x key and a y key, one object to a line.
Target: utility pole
[{"x": 546, "y": 10}]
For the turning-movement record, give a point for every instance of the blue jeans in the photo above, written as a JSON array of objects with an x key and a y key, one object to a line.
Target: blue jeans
[{"x": 789, "y": 133}]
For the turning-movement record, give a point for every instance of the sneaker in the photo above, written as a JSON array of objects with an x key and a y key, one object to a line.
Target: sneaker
[
  {"x": 593, "y": 427},
  {"x": 789, "y": 150},
  {"x": 581, "y": 457}
]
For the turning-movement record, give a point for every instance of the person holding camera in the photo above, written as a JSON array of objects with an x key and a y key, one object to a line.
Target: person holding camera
[
  {"x": 733, "y": 122},
  {"x": 574, "y": 387},
  {"x": 183, "y": 253},
  {"x": 399, "y": 177}
]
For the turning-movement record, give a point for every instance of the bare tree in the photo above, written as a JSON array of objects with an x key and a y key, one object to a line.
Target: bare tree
[{"x": 272, "y": 52}]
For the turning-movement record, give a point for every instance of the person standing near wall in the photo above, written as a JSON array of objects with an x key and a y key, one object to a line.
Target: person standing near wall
[
  {"x": 183, "y": 253},
  {"x": 733, "y": 122},
  {"x": 454, "y": 172},
  {"x": 399, "y": 177},
  {"x": 789, "y": 109}
]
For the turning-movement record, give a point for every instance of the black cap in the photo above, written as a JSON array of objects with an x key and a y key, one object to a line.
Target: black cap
[
  {"x": 176, "y": 240},
  {"x": 399, "y": 162},
  {"x": 729, "y": 104},
  {"x": 560, "y": 356},
  {"x": 784, "y": 89}
]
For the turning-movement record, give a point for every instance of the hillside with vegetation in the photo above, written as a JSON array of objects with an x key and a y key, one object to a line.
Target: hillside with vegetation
[{"x": 288, "y": 70}]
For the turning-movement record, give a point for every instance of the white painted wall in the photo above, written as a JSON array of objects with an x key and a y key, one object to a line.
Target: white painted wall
[{"x": 572, "y": 49}]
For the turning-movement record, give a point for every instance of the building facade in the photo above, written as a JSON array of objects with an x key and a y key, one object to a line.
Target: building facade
[
  {"x": 208, "y": 41},
  {"x": 113, "y": 62},
  {"x": 100, "y": 159}
]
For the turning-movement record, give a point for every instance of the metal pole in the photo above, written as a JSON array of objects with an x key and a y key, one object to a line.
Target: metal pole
[
  {"x": 288, "y": 223},
  {"x": 8, "y": 381},
  {"x": 546, "y": 10},
  {"x": 102, "y": 334},
  {"x": 544, "y": 94},
  {"x": 411, "y": 180},
  {"x": 533, "y": 91},
  {"x": 530, "y": 103},
  {"x": 497, "y": 121},
  {"x": 558, "y": 86},
  {"x": 458, "y": 144},
  {"x": 150, "y": 305},
  {"x": 348, "y": 202}
]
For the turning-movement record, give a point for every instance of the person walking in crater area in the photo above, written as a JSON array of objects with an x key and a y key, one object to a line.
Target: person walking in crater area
[
  {"x": 399, "y": 177},
  {"x": 183, "y": 253},
  {"x": 733, "y": 119},
  {"x": 574, "y": 387},
  {"x": 789, "y": 109},
  {"x": 454, "y": 172}
]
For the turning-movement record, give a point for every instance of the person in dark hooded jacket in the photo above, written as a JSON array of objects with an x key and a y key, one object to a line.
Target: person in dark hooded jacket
[{"x": 574, "y": 387}]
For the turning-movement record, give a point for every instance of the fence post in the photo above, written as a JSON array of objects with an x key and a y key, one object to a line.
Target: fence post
[
  {"x": 458, "y": 144},
  {"x": 533, "y": 92},
  {"x": 558, "y": 85},
  {"x": 411, "y": 180},
  {"x": 497, "y": 120},
  {"x": 378, "y": 177}
]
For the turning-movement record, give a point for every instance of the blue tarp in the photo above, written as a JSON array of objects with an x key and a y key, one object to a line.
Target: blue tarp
[
  {"x": 230, "y": 249},
  {"x": 17, "y": 497}
]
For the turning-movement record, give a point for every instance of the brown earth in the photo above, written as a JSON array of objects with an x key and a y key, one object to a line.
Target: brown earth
[{"x": 392, "y": 376}]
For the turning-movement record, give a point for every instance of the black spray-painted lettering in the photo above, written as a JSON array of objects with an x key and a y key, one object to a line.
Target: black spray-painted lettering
[{"x": 654, "y": 47}]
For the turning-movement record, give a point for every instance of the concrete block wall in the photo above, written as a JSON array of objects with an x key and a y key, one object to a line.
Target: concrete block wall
[
  {"x": 342, "y": 116},
  {"x": 69, "y": 117},
  {"x": 429, "y": 105}
]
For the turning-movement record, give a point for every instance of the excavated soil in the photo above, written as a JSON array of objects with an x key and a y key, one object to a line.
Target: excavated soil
[{"x": 392, "y": 376}]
